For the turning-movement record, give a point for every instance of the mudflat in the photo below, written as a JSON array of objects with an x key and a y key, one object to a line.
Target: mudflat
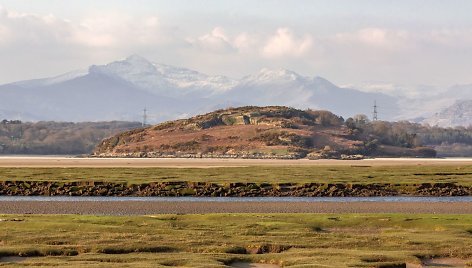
[
  {"x": 46, "y": 161},
  {"x": 182, "y": 207}
]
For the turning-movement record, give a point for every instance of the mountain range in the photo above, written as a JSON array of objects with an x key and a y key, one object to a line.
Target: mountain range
[
  {"x": 457, "y": 114},
  {"x": 121, "y": 90}
]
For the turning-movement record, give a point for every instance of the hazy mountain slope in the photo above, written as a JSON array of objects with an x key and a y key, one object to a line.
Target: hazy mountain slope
[
  {"x": 121, "y": 89},
  {"x": 284, "y": 87},
  {"x": 458, "y": 114},
  {"x": 90, "y": 97}
]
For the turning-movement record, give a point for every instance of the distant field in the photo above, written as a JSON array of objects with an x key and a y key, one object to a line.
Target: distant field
[
  {"x": 398, "y": 174},
  {"x": 211, "y": 240}
]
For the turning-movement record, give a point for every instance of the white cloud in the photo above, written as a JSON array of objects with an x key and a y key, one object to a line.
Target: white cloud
[
  {"x": 398, "y": 40},
  {"x": 220, "y": 42},
  {"x": 104, "y": 30},
  {"x": 31, "y": 28},
  {"x": 284, "y": 43},
  {"x": 244, "y": 42},
  {"x": 388, "y": 53},
  {"x": 450, "y": 37},
  {"x": 116, "y": 29},
  {"x": 3, "y": 11},
  {"x": 216, "y": 40},
  {"x": 376, "y": 37},
  {"x": 5, "y": 34}
]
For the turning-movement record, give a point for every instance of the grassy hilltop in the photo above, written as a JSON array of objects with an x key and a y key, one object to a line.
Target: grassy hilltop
[{"x": 263, "y": 132}]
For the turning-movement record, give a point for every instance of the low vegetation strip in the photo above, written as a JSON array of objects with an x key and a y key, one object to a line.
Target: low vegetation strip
[
  {"x": 175, "y": 188},
  {"x": 447, "y": 180},
  {"x": 219, "y": 240},
  {"x": 460, "y": 174}
]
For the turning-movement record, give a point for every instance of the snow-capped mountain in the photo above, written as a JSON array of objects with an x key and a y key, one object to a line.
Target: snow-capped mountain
[
  {"x": 284, "y": 87},
  {"x": 52, "y": 80},
  {"x": 398, "y": 90},
  {"x": 121, "y": 89},
  {"x": 161, "y": 78},
  {"x": 427, "y": 104},
  {"x": 458, "y": 114}
]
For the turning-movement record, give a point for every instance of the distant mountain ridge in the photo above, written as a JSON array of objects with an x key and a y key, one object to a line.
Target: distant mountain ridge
[
  {"x": 458, "y": 114},
  {"x": 121, "y": 89}
]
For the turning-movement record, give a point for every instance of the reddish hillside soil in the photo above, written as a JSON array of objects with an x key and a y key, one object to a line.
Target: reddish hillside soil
[{"x": 246, "y": 132}]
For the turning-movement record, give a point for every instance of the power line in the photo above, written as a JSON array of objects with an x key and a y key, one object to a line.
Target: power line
[
  {"x": 144, "y": 116},
  {"x": 375, "y": 114}
]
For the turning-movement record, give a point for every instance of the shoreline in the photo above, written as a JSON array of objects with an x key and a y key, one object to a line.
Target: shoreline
[{"x": 70, "y": 161}]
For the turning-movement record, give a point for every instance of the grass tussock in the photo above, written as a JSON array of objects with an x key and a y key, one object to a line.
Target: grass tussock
[
  {"x": 236, "y": 250},
  {"x": 30, "y": 252},
  {"x": 127, "y": 250},
  {"x": 215, "y": 240},
  {"x": 394, "y": 175}
]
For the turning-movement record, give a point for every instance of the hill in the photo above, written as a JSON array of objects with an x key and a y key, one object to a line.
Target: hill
[{"x": 259, "y": 132}]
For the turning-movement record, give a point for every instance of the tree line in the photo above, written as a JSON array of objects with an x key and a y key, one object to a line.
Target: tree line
[
  {"x": 450, "y": 141},
  {"x": 17, "y": 137}
]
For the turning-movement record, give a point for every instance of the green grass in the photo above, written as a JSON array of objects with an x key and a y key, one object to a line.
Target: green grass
[
  {"x": 213, "y": 240},
  {"x": 461, "y": 174}
]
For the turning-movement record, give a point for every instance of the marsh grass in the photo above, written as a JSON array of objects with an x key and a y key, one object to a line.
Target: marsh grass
[
  {"x": 214, "y": 240},
  {"x": 399, "y": 175}
]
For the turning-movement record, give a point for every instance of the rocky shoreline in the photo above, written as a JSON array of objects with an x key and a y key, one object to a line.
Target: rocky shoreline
[
  {"x": 179, "y": 188},
  {"x": 290, "y": 156}
]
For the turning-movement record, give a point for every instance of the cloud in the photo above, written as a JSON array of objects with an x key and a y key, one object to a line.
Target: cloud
[
  {"x": 116, "y": 29},
  {"x": 450, "y": 37},
  {"x": 30, "y": 28},
  {"x": 216, "y": 40},
  {"x": 284, "y": 43},
  {"x": 244, "y": 42},
  {"x": 376, "y": 37},
  {"x": 104, "y": 30},
  {"x": 399, "y": 40},
  {"x": 3, "y": 11},
  {"x": 5, "y": 34},
  {"x": 57, "y": 44}
]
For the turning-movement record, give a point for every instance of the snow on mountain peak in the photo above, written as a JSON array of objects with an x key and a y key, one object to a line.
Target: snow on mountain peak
[
  {"x": 160, "y": 77},
  {"x": 52, "y": 80},
  {"x": 186, "y": 78},
  {"x": 284, "y": 74},
  {"x": 128, "y": 68},
  {"x": 458, "y": 114},
  {"x": 266, "y": 75}
]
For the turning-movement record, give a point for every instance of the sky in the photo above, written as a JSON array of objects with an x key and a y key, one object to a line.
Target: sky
[{"x": 405, "y": 42}]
